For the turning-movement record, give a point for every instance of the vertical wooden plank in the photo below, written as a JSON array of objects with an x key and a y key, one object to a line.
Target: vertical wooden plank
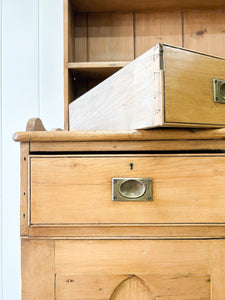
[
  {"x": 68, "y": 28},
  {"x": 24, "y": 189},
  {"x": 70, "y": 33},
  {"x": 204, "y": 31},
  {"x": 110, "y": 37},
  {"x": 51, "y": 63},
  {"x": 66, "y": 98},
  {"x": 19, "y": 91},
  {"x": 66, "y": 60},
  {"x": 217, "y": 269},
  {"x": 37, "y": 264},
  {"x": 157, "y": 27},
  {"x": 80, "y": 37},
  {"x": 1, "y": 245}
]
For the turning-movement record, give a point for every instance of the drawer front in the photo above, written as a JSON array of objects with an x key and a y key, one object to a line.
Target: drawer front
[
  {"x": 190, "y": 95},
  {"x": 74, "y": 190}
]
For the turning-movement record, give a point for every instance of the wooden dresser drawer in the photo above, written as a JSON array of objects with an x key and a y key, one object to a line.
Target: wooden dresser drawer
[{"x": 78, "y": 189}]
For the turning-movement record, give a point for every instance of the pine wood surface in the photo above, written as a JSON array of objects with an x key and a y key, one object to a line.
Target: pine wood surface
[
  {"x": 138, "y": 231},
  {"x": 115, "y": 5},
  {"x": 37, "y": 264},
  {"x": 67, "y": 53},
  {"x": 97, "y": 70},
  {"x": 204, "y": 31},
  {"x": 189, "y": 88},
  {"x": 154, "y": 27},
  {"x": 117, "y": 269},
  {"x": 126, "y": 100},
  {"x": 132, "y": 257},
  {"x": 24, "y": 191},
  {"x": 186, "y": 189},
  {"x": 131, "y": 146},
  {"x": 110, "y": 37},
  {"x": 79, "y": 45},
  {"x": 217, "y": 249},
  {"x": 131, "y": 287},
  {"x": 157, "y": 89},
  {"x": 119, "y": 135},
  {"x": 199, "y": 30}
]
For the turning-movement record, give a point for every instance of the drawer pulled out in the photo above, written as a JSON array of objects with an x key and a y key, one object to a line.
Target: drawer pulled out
[{"x": 79, "y": 189}]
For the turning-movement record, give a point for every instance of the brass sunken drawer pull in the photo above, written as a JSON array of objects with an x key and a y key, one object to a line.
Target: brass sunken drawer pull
[
  {"x": 219, "y": 90},
  {"x": 132, "y": 189}
]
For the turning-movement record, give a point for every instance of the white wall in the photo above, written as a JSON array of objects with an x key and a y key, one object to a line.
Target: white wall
[
  {"x": 32, "y": 85},
  {"x": 0, "y": 150}
]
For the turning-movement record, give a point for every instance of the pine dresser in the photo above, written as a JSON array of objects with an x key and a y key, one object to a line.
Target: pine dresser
[{"x": 123, "y": 215}]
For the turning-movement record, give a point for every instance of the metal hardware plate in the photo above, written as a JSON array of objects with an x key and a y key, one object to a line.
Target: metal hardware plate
[
  {"x": 219, "y": 90},
  {"x": 132, "y": 189}
]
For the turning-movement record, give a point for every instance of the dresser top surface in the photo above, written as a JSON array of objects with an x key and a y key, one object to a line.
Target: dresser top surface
[{"x": 132, "y": 135}]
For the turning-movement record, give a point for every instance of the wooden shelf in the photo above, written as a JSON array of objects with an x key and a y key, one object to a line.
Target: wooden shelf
[
  {"x": 140, "y": 5},
  {"x": 101, "y": 37},
  {"x": 96, "y": 70}
]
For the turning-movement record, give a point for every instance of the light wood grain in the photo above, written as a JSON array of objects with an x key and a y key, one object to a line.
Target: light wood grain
[
  {"x": 24, "y": 191},
  {"x": 66, "y": 59},
  {"x": 37, "y": 264},
  {"x": 132, "y": 288},
  {"x": 122, "y": 287},
  {"x": 80, "y": 38},
  {"x": 204, "y": 31},
  {"x": 191, "y": 101},
  {"x": 69, "y": 30},
  {"x": 35, "y": 124},
  {"x": 137, "y": 98},
  {"x": 157, "y": 27},
  {"x": 126, "y": 5},
  {"x": 110, "y": 37},
  {"x": 186, "y": 145},
  {"x": 99, "y": 287},
  {"x": 79, "y": 190},
  {"x": 96, "y": 70},
  {"x": 194, "y": 231},
  {"x": 123, "y": 101},
  {"x": 119, "y": 135},
  {"x": 217, "y": 269},
  {"x": 132, "y": 257}
]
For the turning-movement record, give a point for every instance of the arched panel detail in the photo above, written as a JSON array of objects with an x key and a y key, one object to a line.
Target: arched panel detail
[{"x": 133, "y": 288}]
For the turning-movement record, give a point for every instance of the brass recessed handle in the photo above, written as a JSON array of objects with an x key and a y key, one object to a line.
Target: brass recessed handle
[
  {"x": 219, "y": 90},
  {"x": 132, "y": 189}
]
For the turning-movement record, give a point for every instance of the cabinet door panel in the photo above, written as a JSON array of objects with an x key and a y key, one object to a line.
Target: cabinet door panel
[
  {"x": 132, "y": 257},
  {"x": 140, "y": 269},
  {"x": 123, "y": 269},
  {"x": 131, "y": 287}
]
